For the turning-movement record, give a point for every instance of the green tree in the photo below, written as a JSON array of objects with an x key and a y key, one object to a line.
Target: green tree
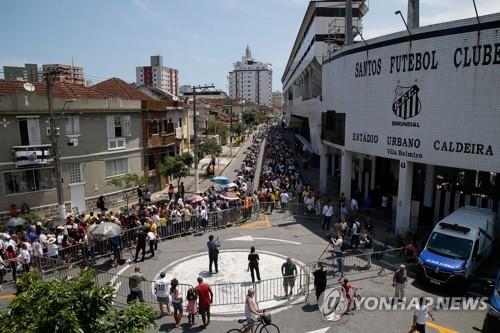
[
  {"x": 176, "y": 166},
  {"x": 238, "y": 129},
  {"x": 249, "y": 118},
  {"x": 126, "y": 182},
  {"x": 70, "y": 306},
  {"x": 211, "y": 147}
]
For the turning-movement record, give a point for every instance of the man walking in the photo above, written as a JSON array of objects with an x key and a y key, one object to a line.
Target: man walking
[
  {"x": 337, "y": 251},
  {"x": 213, "y": 253},
  {"x": 319, "y": 280},
  {"x": 327, "y": 215},
  {"x": 366, "y": 241},
  {"x": 140, "y": 242},
  {"x": 161, "y": 292},
  {"x": 205, "y": 298},
  {"x": 134, "y": 283},
  {"x": 289, "y": 272},
  {"x": 399, "y": 282},
  {"x": 420, "y": 315}
]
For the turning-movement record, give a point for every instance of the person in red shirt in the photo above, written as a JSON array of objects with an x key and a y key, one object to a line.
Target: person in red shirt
[
  {"x": 12, "y": 260},
  {"x": 205, "y": 298},
  {"x": 348, "y": 292}
]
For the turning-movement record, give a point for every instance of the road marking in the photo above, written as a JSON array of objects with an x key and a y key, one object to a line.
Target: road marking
[
  {"x": 439, "y": 328},
  {"x": 321, "y": 330},
  {"x": 251, "y": 239},
  {"x": 264, "y": 224}
]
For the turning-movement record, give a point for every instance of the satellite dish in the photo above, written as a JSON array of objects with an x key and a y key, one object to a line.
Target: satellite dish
[
  {"x": 28, "y": 86},
  {"x": 175, "y": 98}
]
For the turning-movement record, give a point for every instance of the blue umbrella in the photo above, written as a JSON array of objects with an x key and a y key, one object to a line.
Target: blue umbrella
[{"x": 220, "y": 180}]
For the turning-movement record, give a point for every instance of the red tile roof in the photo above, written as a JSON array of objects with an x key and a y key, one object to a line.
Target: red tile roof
[
  {"x": 110, "y": 88},
  {"x": 115, "y": 87},
  {"x": 62, "y": 90}
]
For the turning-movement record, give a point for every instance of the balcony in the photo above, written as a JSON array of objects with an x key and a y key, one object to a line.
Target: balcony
[{"x": 31, "y": 155}]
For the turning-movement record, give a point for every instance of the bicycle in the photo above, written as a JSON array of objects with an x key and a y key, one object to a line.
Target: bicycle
[{"x": 264, "y": 322}]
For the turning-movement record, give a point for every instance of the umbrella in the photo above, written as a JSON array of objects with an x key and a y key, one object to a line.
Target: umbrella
[
  {"x": 248, "y": 169},
  {"x": 15, "y": 222},
  {"x": 107, "y": 229},
  {"x": 231, "y": 185},
  {"x": 221, "y": 180},
  {"x": 195, "y": 199},
  {"x": 229, "y": 196}
]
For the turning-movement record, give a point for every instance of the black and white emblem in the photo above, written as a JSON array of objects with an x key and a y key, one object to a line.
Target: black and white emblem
[{"x": 406, "y": 102}]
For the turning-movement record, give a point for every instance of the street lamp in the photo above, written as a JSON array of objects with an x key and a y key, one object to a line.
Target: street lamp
[{"x": 404, "y": 21}]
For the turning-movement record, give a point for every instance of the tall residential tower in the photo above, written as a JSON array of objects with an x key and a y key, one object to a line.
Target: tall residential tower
[
  {"x": 251, "y": 80},
  {"x": 158, "y": 76}
]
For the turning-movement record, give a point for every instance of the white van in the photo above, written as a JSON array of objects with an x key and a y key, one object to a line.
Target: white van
[{"x": 457, "y": 246}]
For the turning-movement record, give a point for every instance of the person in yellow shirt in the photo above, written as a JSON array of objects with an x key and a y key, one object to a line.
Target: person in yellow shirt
[
  {"x": 154, "y": 229},
  {"x": 273, "y": 200}
]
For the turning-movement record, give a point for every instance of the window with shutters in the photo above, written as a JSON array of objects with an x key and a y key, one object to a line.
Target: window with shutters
[
  {"x": 29, "y": 131},
  {"x": 72, "y": 125},
  {"x": 116, "y": 167},
  {"x": 119, "y": 127}
]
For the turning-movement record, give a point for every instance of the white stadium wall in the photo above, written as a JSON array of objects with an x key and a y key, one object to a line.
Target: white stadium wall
[{"x": 434, "y": 101}]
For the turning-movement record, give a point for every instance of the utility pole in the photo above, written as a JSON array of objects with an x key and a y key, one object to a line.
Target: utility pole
[
  {"x": 55, "y": 149},
  {"x": 231, "y": 129},
  {"x": 195, "y": 129}
]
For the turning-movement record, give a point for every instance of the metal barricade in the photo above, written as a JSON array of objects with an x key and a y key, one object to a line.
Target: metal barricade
[
  {"x": 122, "y": 289},
  {"x": 365, "y": 261}
]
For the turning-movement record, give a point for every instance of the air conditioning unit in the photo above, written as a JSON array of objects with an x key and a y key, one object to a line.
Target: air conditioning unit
[
  {"x": 47, "y": 130},
  {"x": 73, "y": 142}
]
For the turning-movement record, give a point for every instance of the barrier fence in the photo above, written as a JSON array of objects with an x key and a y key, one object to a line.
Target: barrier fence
[
  {"x": 367, "y": 261},
  {"x": 223, "y": 293}
]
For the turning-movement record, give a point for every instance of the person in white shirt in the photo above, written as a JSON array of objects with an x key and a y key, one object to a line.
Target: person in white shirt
[
  {"x": 25, "y": 257},
  {"x": 52, "y": 248},
  {"x": 337, "y": 251},
  {"x": 204, "y": 219},
  {"x": 354, "y": 205},
  {"x": 284, "y": 197},
  {"x": 327, "y": 215},
  {"x": 161, "y": 291},
  {"x": 37, "y": 253},
  {"x": 251, "y": 310},
  {"x": 420, "y": 315},
  {"x": 152, "y": 241}
]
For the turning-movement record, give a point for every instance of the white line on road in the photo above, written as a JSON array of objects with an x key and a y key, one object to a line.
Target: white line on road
[
  {"x": 322, "y": 330},
  {"x": 251, "y": 239}
]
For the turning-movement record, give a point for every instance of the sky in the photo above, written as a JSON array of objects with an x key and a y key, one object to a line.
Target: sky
[{"x": 201, "y": 38}]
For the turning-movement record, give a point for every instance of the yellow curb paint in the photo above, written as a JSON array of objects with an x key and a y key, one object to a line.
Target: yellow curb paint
[
  {"x": 263, "y": 224},
  {"x": 439, "y": 328}
]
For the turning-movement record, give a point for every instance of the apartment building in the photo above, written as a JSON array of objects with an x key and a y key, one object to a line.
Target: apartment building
[
  {"x": 158, "y": 76},
  {"x": 251, "y": 80}
]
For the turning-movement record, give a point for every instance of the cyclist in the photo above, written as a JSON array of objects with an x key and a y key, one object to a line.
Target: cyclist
[
  {"x": 251, "y": 311},
  {"x": 348, "y": 291}
]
